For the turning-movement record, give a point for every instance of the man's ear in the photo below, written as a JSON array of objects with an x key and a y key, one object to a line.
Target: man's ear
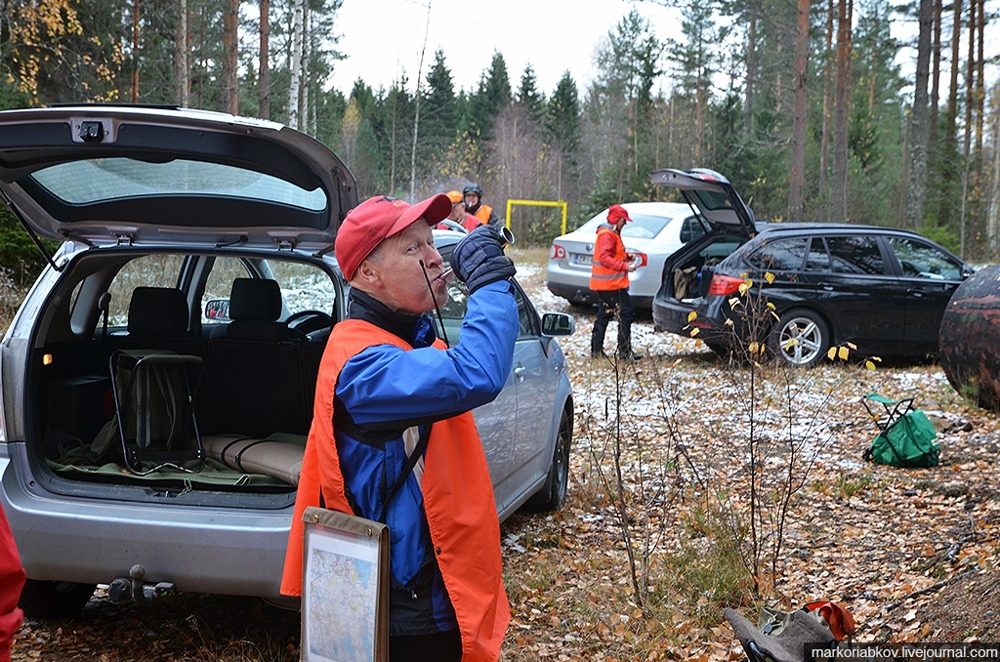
[{"x": 368, "y": 274}]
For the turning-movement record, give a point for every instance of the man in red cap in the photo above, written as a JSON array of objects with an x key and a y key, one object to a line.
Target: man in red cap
[
  {"x": 387, "y": 390},
  {"x": 609, "y": 279}
]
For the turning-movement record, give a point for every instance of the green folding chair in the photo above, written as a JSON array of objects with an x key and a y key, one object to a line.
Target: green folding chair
[{"x": 905, "y": 437}]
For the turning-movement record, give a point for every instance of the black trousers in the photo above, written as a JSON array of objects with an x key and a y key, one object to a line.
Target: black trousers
[
  {"x": 441, "y": 647},
  {"x": 613, "y": 303}
]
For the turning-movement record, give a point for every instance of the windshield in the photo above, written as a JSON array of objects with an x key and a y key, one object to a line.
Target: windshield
[{"x": 102, "y": 180}]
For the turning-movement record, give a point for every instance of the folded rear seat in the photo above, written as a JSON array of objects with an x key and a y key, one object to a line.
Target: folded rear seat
[{"x": 278, "y": 455}]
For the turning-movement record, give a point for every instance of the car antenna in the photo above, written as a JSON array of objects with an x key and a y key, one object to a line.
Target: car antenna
[{"x": 437, "y": 309}]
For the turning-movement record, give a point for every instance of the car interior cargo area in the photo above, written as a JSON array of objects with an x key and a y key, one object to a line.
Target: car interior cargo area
[
  {"x": 151, "y": 391},
  {"x": 691, "y": 274}
]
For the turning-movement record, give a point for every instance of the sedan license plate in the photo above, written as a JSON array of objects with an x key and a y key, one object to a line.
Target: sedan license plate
[{"x": 583, "y": 259}]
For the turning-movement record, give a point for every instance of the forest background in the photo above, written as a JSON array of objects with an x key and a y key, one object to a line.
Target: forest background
[{"x": 802, "y": 104}]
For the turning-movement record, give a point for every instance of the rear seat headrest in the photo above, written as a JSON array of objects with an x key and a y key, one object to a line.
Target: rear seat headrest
[
  {"x": 158, "y": 312},
  {"x": 255, "y": 299}
]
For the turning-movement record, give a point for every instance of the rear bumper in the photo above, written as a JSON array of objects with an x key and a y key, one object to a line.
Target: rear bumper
[
  {"x": 572, "y": 293},
  {"x": 200, "y": 549},
  {"x": 674, "y": 317}
]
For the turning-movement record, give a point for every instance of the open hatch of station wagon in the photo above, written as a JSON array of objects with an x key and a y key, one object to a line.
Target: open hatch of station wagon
[{"x": 158, "y": 379}]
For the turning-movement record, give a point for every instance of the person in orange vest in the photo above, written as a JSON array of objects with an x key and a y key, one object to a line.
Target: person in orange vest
[
  {"x": 388, "y": 388},
  {"x": 609, "y": 279},
  {"x": 458, "y": 213},
  {"x": 474, "y": 205}
]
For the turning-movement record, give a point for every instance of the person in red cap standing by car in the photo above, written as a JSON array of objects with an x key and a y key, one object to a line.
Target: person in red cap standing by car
[
  {"x": 387, "y": 388},
  {"x": 609, "y": 279}
]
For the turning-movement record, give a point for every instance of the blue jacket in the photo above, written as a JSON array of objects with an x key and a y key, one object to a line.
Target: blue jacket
[{"x": 384, "y": 400}]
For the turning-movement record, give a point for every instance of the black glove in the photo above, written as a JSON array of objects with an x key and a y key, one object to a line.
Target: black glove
[{"x": 479, "y": 260}]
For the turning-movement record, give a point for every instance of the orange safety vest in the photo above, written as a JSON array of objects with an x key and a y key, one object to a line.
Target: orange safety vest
[
  {"x": 483, "y": 213},
  {"x": 471, "y": 222},
  {"x": 603, "y": 278},
  {"x": 458, "y": 500}
]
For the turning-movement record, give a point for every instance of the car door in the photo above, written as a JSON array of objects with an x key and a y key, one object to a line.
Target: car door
[
  {"x": 929, "y": 276},
  {"x": 536, "y": 379},
  {"x": 496, "y": 420},
  {"x": 861, "y": 298}
]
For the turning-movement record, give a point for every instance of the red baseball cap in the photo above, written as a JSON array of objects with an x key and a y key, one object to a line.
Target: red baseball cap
[
  {"x": 616, "y": 213},
  {"x": 376, "y": 218}
]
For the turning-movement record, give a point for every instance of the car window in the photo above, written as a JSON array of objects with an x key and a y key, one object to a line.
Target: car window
[
  {"x": 817, "y": 259},
  {"x": 855, "y": 255},
  {"x": 218, "y": 287},
  {"x": 693, "y": 228},
  {"x": 713, "y": 200},
  {"x": 114, "y": 178},
  {"x": 779, "y": 254},
  {"x": 453, "y": 312},
  {"x": 920, "y": 260},
  {"x": 528, "y": 320},
  {"x": 718, "y": 250},
  {"x": 643, "y": 226},
  {"x": 303, "y": 286},
  {"x": 146, "y": 271}
]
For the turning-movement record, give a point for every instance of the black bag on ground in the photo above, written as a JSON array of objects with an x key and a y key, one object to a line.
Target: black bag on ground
[{"x": 789, "y": 637}]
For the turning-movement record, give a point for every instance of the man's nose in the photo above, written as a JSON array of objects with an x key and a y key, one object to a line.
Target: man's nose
[{"x": 433, "y": 257}]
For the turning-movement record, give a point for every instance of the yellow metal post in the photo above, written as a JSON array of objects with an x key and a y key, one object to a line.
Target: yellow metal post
[{"x": 538, "y": 203}]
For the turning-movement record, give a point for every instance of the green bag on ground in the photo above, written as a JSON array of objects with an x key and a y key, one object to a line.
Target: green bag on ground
[{"x": 909, "y": 442}]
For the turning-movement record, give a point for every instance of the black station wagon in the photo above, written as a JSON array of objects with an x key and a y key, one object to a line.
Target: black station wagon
[{"x": 818, "y": 285}]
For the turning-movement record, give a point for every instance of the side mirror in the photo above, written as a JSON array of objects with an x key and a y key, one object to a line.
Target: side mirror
[
  {"x": 217, "y": 310},
  {"x": 558, "y": 324}
]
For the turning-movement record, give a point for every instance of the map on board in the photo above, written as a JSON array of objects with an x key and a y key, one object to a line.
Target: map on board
[{"x": 341, "y": 594}]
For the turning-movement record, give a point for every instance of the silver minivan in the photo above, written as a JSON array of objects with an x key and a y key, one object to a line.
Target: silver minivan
[{"x": 157, "y": 381}]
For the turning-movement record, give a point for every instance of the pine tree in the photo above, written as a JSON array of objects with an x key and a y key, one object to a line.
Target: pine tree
[
  {"x": 529, "y": 97},
  {"x": 438, "y": 121},
  {"x": 493, "y": 95}
]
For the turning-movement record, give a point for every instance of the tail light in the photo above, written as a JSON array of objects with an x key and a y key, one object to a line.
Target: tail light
[
  {"x": 557, "y": 252},
  {"x": 640, "y": 259},
  {"x": 724, "y": 285}
]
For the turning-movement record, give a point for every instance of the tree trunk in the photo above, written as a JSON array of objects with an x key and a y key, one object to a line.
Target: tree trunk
[
  {"x": 918, "y": 151},
  {"x": 416, "y": 110},
  {"x": 307, "y": 49},
  {"x": 824, "y": 150},
  {"x": 796, "y": 178},
  {"x": 842, "y": 100},
  {"x": 295, "y": 65},
  {"x": 202, "y": 57},
  {"x": 748, "y": 105},
  {"x": 135, "y": 52},
  {"x": 932, "y": 140},
  {"x": 264, "y": 75},
  {"x": 699, "y": 118},
  {"x": 950, "y": 158},
  {"x": 993, "y": 213},
  {"x": 230, "y": 57},
  {"x": 182, "y": 51},
  {"x": 977, "y": 164},
  {"x": 970, "y": 87}
]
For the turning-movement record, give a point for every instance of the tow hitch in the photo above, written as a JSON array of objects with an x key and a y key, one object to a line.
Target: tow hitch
[{"x": 123, "y": 589}]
